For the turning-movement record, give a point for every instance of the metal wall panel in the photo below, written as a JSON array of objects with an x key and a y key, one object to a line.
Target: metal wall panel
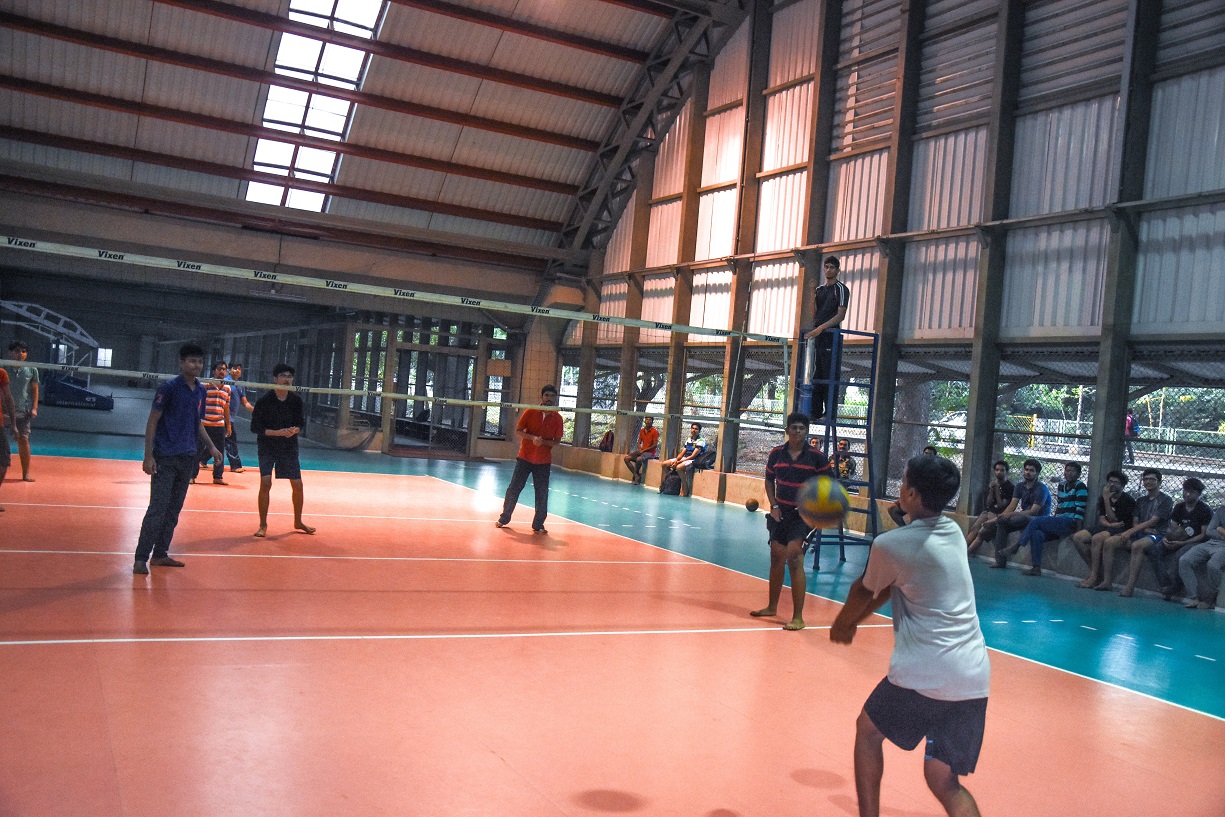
[
  {"x": 613, "y": 293},
  {"x": 658, "y": 293},
  {"x": 175, "y": 179},
  {"x": 1186, "y": 149},
  {"x": 939, "y": 289},
  {"x": 856, "y": 196},
  {"x": 716, "y": 224},
  {"x": 487, "y": 229},
  {"x": 793, "y": 42},
  {"x": 1063, "y": 158},
  {"x": 772, "y": 298},
  {"x": 1190, "y": 28},
  {"x": 370, "y": 211},
  {"x": 502, "y": 198},
  {"x": 942, "y": 13},
  {"x": 780, "y": 218},
  {"x": 788, "y": 127},
  {"x": 1053, "y": 278},
  {"x": 867, "y": 73},
  {"x": 861, "y": 274},
  {"x": 956, "y": 75},
  {"x": 1071, "y": 43},
  {"x": 711, "y": 304},
  {"x": 730, "y": 74},
  {"x": 48, "y": 157},
  {"x": 947, "y": 180},
  {"x": 670, "y": 162},
  {"x": 1179, "y": 285},
  {"x": 664, "y": 238},
  {"x": 617, "y": 252},
  {"x": 721, "y": 155}
]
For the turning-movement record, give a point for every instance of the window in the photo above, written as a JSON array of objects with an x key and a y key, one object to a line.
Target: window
[
  {"x": 104, "y": 358},
  {"x": 310, "y": 114}
]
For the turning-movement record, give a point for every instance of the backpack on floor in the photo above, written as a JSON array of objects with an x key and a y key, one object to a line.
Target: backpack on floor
[
  {"x": 670, "y": 484},
  {"x": 606, "y": 442}
]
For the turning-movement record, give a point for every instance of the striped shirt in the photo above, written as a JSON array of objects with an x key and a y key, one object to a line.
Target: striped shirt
[
  {"x": 789, "y": 474},
  {"x": 216, "y": 403},
  {"x": 1072, "y": 500}
]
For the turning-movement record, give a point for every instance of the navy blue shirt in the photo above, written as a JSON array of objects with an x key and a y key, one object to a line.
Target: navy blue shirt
[
  {"x": 788, "y": 474},
  {"x": 182, "y": 410}
]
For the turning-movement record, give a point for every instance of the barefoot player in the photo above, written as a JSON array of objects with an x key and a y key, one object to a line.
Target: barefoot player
[
  {"x": 939, "y": 672},
  {"x": 276, "y": 421}
]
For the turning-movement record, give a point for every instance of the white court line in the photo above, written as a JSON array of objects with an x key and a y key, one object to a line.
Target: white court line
[
  {"x": 478, "y": 521},
  {"x": 307, "y": 556},
  {"x": 402, "y": 636}
]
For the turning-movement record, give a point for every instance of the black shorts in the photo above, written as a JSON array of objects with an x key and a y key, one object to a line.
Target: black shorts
[
  {"x": 954, "y": 729},
  {"x": 787, "y": 529},
  {"x": 285, "y": 462}
]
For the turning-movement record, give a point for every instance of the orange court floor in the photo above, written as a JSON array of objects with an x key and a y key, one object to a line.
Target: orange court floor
[{"x": 411, "y": 659}]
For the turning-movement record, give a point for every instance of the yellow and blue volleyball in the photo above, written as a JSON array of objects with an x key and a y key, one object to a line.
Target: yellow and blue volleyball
[{"x": 822, "y": 502}]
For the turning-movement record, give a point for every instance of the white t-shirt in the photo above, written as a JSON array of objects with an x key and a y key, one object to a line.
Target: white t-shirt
[{"x": 938, "y": 647}]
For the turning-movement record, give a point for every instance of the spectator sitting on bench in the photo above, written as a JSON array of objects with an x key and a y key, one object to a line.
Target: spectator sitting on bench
[
  {"x": 683, "y": 462},
  {"x": 1209, "y": 555},
  {"x": 844, "y": 462},
  {"x": 1188, "y": 526},
  {"x": 1071, "y": 499},
  {"x": 999, "y": 494},
  {"x": 648, "y": 449},
  {"x": 1151, "y": 516},
  {"x": 1030, "y": 499},
  {"x": 1115, "y": 514}
]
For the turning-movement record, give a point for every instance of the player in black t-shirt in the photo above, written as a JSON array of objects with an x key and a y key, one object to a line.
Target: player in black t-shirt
[
  {"x": 276, "y": 421},
  {"x": 831, "y": 301}
]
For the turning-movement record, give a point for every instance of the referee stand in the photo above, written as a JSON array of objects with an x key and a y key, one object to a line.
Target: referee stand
[{"x": 833, "y": 426}]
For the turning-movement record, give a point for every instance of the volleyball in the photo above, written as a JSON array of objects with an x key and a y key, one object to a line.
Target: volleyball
[
  {"x": 751, "y": 505},
  {"x": 822, "y": 502}
]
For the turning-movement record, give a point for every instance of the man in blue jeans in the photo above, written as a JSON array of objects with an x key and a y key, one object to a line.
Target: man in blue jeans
[
  {"x": 1072, "y": 498},
  {"x": 173, "y": 434},
  {"x": 1030, "y": 500}
]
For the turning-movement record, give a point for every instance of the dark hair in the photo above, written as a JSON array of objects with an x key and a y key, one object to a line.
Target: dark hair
[
  {"x": 698, "y": 426},
  {"x": 935, "y": 478},
  {"x": 1193, "y": 484},
  {"x": 1151, "y": 471},
  {"x": 930, "y": 451},
  {"x": 798, "y": 417},
  {"x": 217, "y": 364},
  {"x": 1037, "y": 465},
  {"x": 190, "y": 350},
  {"x": 549, "y": 388},
  {"x": 18, "y": 344},
  {"x": 832, "y": 259},
  {"x": 282, "y": 368},
  {"x": 1001, "y": 462},
  {"x": 1119, "y": 475},
  {"x": 235, "y": 365},
  {"x": 844, "y": 440},
  {"x": 1076, "y": 465}
]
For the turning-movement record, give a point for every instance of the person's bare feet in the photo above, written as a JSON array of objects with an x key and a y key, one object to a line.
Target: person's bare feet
[
  {"x": 1126, "y": 592},
  {"x": 765, "y": 611},
  {"x": 1104, "y": 586},
  {"x": 27, "y": 478},
  {"x": 794, "y": 624},
  {"x": 262, "y": 532},
  {"x": 302, "y": 526},
  {"x": 1086, "y": 584}
]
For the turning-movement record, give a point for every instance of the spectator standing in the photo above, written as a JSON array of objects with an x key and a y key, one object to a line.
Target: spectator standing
[
  {"x": 217, "y": 420},
  {"x": 24, "y": 388},
  {"x": 238, "y": 397}
]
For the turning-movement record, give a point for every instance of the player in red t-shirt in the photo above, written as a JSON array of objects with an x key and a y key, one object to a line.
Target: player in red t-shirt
[
  {"x": 8, "y": 414},
  {"x": 538, "y": 431}
]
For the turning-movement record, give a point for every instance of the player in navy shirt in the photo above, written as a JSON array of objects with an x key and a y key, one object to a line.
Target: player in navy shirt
[
  {"x": 172, "y": 435},
  {"x": 789, "y": 466}
]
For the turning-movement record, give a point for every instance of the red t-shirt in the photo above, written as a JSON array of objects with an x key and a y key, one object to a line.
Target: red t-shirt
[
  {"x": 648, "y": 439},
  {"x": 544, "y": 424}
]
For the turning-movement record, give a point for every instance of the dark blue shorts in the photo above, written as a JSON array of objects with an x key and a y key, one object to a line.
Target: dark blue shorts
[
  {"x": 284, "y": 462},
  {"x": 954, "y": 729}
]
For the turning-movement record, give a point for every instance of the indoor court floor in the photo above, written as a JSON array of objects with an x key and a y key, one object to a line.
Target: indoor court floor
[{"x": 411, "y": 659}]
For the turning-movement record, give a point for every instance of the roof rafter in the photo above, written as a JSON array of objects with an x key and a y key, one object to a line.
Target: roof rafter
[
  {"x": 395, "y": 52},
  {"x": 245, "y": 174},
  {"x": 168, "y": 56}
]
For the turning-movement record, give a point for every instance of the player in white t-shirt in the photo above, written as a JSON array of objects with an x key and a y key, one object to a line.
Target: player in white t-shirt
[{"x": 939, "y": 672}]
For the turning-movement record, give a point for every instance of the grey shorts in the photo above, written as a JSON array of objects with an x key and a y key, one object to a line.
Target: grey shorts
[{"x": 22, "y": 422}]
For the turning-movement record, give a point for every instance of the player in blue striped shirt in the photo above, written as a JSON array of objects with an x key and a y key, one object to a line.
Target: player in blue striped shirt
[{"x": 1072, "y": 498}]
